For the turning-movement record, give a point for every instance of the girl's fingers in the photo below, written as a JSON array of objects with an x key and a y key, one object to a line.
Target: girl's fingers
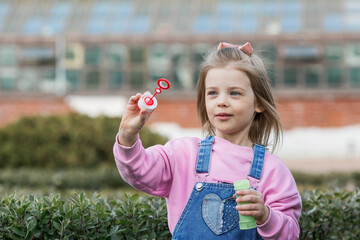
[
  {"x": 144, "y": 115},
  {"x": 250, "y": 196},
  {"x": 247, "y": 192},
  {"x": 135, "y": 98},
  {"x": 247, "y": 198}
]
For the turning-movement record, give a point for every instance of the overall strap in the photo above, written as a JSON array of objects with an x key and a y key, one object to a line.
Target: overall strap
[
  {"x": 257, "y": 162},
  {"x": 203, "y": 160}
]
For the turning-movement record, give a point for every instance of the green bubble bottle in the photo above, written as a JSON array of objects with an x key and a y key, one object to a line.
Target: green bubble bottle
[{"x": 245, "y": 222}]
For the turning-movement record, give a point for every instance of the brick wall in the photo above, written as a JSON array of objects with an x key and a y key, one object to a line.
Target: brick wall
[
  {"x": 169, "y": 110},
  {"x": 333, "y": 112},
  {"x": 12, "y": 109}
]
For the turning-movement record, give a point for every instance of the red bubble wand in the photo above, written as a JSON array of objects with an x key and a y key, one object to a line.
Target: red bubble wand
[{"x": 149, "y": 103}]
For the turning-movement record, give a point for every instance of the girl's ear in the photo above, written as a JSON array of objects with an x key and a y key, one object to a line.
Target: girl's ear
[{"x": 259, "y": 108}]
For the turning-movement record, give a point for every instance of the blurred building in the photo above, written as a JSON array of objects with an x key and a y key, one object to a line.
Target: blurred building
[{"x": 56, "y": 55}]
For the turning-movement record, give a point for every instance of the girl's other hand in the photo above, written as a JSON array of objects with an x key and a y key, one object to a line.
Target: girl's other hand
[
  {"x": 254, "y": 206},
  {"x": 132, "y": 121}
]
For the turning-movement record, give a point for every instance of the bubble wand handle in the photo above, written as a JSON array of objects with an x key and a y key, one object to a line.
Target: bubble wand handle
[{"x": 155, "y": 93}]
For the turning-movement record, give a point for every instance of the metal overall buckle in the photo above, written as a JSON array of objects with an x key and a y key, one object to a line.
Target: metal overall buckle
[{"x": 200, "y": 183}]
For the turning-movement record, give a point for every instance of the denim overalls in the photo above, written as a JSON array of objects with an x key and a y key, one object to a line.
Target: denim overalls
[{"x": 210, "y": 211}]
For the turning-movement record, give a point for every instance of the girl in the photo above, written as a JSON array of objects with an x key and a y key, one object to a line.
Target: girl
[{"x": 237, "y": 110}]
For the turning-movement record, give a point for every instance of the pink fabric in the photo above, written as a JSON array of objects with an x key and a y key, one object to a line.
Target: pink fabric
[
  {"x": 168, "y": 171},
  {"x": 246, "y": 48}
]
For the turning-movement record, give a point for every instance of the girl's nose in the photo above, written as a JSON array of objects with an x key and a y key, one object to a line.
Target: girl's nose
[{"x": 222, "y": 101}]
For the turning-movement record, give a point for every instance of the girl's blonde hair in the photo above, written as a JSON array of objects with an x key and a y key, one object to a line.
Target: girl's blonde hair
[{"x": 266, "y": 122}]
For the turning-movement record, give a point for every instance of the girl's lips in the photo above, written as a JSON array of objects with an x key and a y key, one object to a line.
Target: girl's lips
[{"x": 223, "y": 116}]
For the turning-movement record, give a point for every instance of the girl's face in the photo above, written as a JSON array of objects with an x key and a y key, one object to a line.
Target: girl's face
[{"x": 230, "y": 104}]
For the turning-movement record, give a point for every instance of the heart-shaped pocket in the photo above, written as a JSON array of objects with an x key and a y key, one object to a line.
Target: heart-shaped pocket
[{"x": 220, "y": 215}]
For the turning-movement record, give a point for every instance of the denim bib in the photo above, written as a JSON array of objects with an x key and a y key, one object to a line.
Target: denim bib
[{"x": 210, "y": 211}]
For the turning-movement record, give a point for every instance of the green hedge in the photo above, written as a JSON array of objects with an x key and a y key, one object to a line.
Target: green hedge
[
  {"x": 80, "y": 217},
  {"x": 330, "y": 215},
  {"x": 63, "y": 141},
  {"x": 326, "y": 215}
]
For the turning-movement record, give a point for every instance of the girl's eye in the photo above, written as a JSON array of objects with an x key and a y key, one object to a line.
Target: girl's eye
[
  {"x": 235, "y": 93},
  {"x": 211, "y": 93}
]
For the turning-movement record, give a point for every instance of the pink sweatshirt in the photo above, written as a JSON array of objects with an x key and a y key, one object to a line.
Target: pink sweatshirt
[{"x": 168, "y": 171}]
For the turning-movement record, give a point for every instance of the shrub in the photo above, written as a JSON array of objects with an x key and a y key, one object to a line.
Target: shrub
[
  {"x": 63, "y": 141},
  {"x": 325, "y": 215},
  {"x": 80, "y": 217},
  {"x": 330, "y": 215}
]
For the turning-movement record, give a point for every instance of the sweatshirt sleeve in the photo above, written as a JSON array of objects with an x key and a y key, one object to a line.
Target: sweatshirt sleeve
[
  {"x": 284, "y": 201},
  {"x": 148, "y": 170}
]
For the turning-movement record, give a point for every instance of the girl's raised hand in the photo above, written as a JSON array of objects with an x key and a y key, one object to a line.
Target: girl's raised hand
[
  {"x": 132, "y": 121},
  {"x": 255, "y": 206}
]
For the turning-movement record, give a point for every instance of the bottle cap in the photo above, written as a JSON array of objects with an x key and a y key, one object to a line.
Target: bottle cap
[
  {"x": 242, "y": 184},
  {"x": 149, "y": 106}
]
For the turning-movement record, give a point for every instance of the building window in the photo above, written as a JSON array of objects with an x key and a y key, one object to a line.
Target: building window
[
  {"x": 72, "y": 77},
  {"x": 119, "y": 25},
  {"x": 334, "y": 77},
  {"x": 4, "y": 9},
  {"x": 333, "y": 52},
  {"x": 98, "y": 19},
  {"x": 116, "y": 54},
  {"x": 93, "y": 80},
  {"x": 47, "y": 82},
  {"x": 247, "y": 25},
  {"x": 136, "y": 79},
  {"x": 180, "y": 59},
  {"x": 312, "y": 15},
  {"x": 291, "y": 21},
  {"x": 159, "y": 62},
  {"x": 181, "y": 25},
  {"x": 27, "y": 81},
  {"x": 355, "y": 77},
  {"x": 352, "y": 54},
  {"x": 225, "y": 13},
  {"x": 301, "y": 53},
  {"x": 7, "y": 55},
  {"x": 312, "y": 77},
  {"x": 115, "y": 80},
  {"x": 352, "y": 12},
  {"x": 58, "y": 17},
  {"x": 225, "y": 24},
  {"x": 333, "y": 22},
  {"x": 96, "y": 25},
  {"x": 203, "y": 24},
  {"x": 92, "y": 55},
  {"x": 7, "y": 83},
  {"x": 137, "y": 55},
  {"x": 33, "y": 26},
  {"x": 272, "y": 8},
  {"x": 247, "y": 19},
  {"x": 290, "y": 77},
  {"x": 141, "y": 24}
]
